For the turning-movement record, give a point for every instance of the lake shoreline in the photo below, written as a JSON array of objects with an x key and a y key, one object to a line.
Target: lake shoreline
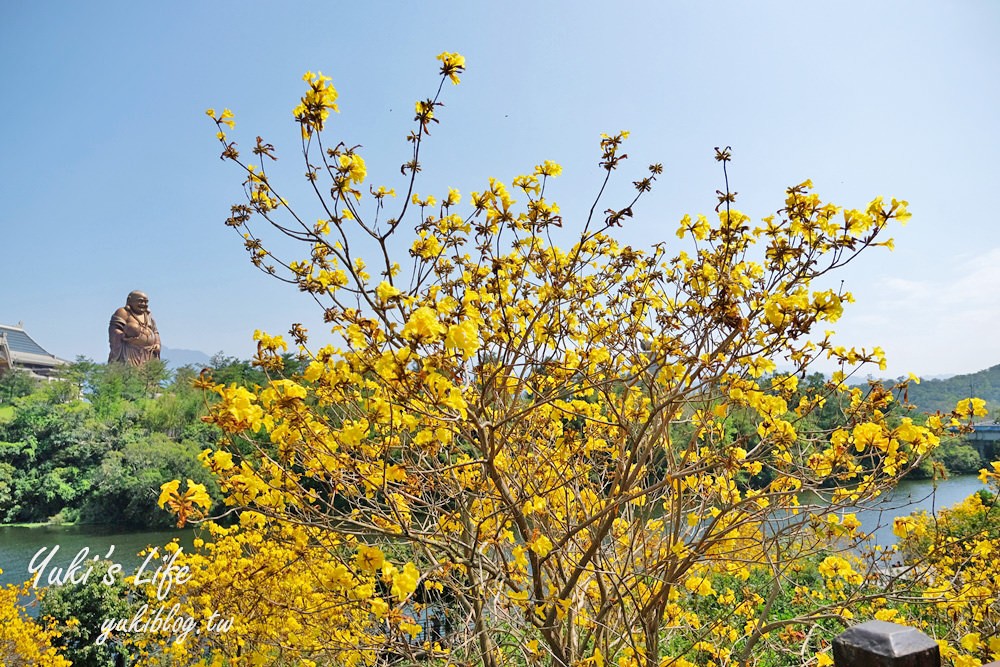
[{"x": 20, "y": 542}]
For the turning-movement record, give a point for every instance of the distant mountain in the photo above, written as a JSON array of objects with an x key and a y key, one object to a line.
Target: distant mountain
[
  {"x": 933, "y": 394},
  {"x": 176, "y": 358}
]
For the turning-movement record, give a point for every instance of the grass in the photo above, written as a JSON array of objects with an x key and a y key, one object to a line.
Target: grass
[
  {"x": 6, "y": 412},
  {"x": 28, "y": 525}
]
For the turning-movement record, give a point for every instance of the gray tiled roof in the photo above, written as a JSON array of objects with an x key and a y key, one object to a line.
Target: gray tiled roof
[{"x": 19, "y": 341}]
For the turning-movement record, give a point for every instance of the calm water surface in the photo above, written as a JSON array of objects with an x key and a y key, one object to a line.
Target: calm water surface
[
  {"x": 19, "y": 544},
  {"x": 911, "y": 496}
]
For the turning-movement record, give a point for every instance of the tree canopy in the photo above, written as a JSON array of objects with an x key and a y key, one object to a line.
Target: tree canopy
[{"x": 540, "y": 439}]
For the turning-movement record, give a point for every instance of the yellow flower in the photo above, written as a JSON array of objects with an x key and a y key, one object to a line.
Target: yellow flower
[
  {"x": 417, "y": 201},
  {"x": 315, "y": 106},
  {"x": 548, "y": 168},
  {"x": 385, "y": 291},
  {"x": 198, "y": 494},
  {"x": 851, "y": 522},
  {"x": 368, "y": 558},
  {"x": 183, "y": 504},
  {"x": 423, "y": 325},
  {"x": 353, "y": 165},
  {"x": 270, "y": 342},
  {"x": 971, "y": 407},
  {"x": 405, "y": 582},
  {"x": 903, "y": 526},
  {"x": 541, "y": 545},
  {"x": 464, "y": 337},
  {"x": 887, "y": 615},
  {"x": 835, "y": 566},
  {"x": 699, "y": 585},
  {"x": 168, "y": 490},
  {"x": 222, "y": 460},
  {"x": 452, "y": 64},
  {"x": 424, "y": 109},
  {"x": 868, "y": 434},
  {"x": 379, "y": 607}
]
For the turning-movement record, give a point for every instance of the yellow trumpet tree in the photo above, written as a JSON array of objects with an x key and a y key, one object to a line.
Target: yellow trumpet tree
[
  {"x": 511, "y": 452},
  {"x": 23, "y": 641}
]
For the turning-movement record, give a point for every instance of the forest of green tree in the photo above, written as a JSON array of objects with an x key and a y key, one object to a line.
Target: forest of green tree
[
  {"x": 96, "y": 445},
  {"x": 941, "y": 395}
]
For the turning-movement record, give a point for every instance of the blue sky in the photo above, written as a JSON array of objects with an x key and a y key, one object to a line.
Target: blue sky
[{"x": 112, "y": 182}]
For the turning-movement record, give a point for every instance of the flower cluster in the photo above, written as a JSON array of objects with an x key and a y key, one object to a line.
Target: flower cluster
[{"x": 582, "y": 449}]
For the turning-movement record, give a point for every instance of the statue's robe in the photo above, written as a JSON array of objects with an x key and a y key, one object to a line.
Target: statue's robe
[{"x": 133, "y": 338}]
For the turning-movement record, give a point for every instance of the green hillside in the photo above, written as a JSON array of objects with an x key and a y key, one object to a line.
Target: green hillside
[{"x": 932, "y": 395}]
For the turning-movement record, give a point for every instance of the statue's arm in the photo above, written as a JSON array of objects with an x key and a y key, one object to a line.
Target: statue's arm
[
  {"x": 116, "y": 336},
  {"x": 156, "y": 338}
]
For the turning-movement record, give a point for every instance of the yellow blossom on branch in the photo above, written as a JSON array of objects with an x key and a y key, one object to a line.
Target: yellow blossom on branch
[
  {"x": 562, "y": 435},
  {"x": 971, "y": 407},
  {"x": 452, "y": 64},
  {"x": 423, "y": 325},
  {"x": 187, "y": 505}
]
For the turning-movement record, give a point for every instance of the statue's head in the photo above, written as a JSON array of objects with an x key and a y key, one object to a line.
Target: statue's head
[{"x": 137, "y": 302}]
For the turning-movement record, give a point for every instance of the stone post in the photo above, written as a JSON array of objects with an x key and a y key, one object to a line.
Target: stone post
[{"x": 882, "y": 644}]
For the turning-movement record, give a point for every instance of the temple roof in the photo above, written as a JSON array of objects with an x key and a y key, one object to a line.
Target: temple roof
[
  {"x": 18, "y": 349},
  {"x": 19, "y": 341}
]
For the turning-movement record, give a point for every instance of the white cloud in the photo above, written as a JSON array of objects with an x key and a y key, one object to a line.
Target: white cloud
[{"x": 934, "y": 324}]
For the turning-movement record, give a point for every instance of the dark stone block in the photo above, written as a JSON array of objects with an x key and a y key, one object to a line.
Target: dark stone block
[{"x": 882, "y": 644}]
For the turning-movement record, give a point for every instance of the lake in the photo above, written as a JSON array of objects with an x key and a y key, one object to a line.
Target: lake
[
  {"x": 18, "y": 544},
  {"x": 913, "y": 495}
]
